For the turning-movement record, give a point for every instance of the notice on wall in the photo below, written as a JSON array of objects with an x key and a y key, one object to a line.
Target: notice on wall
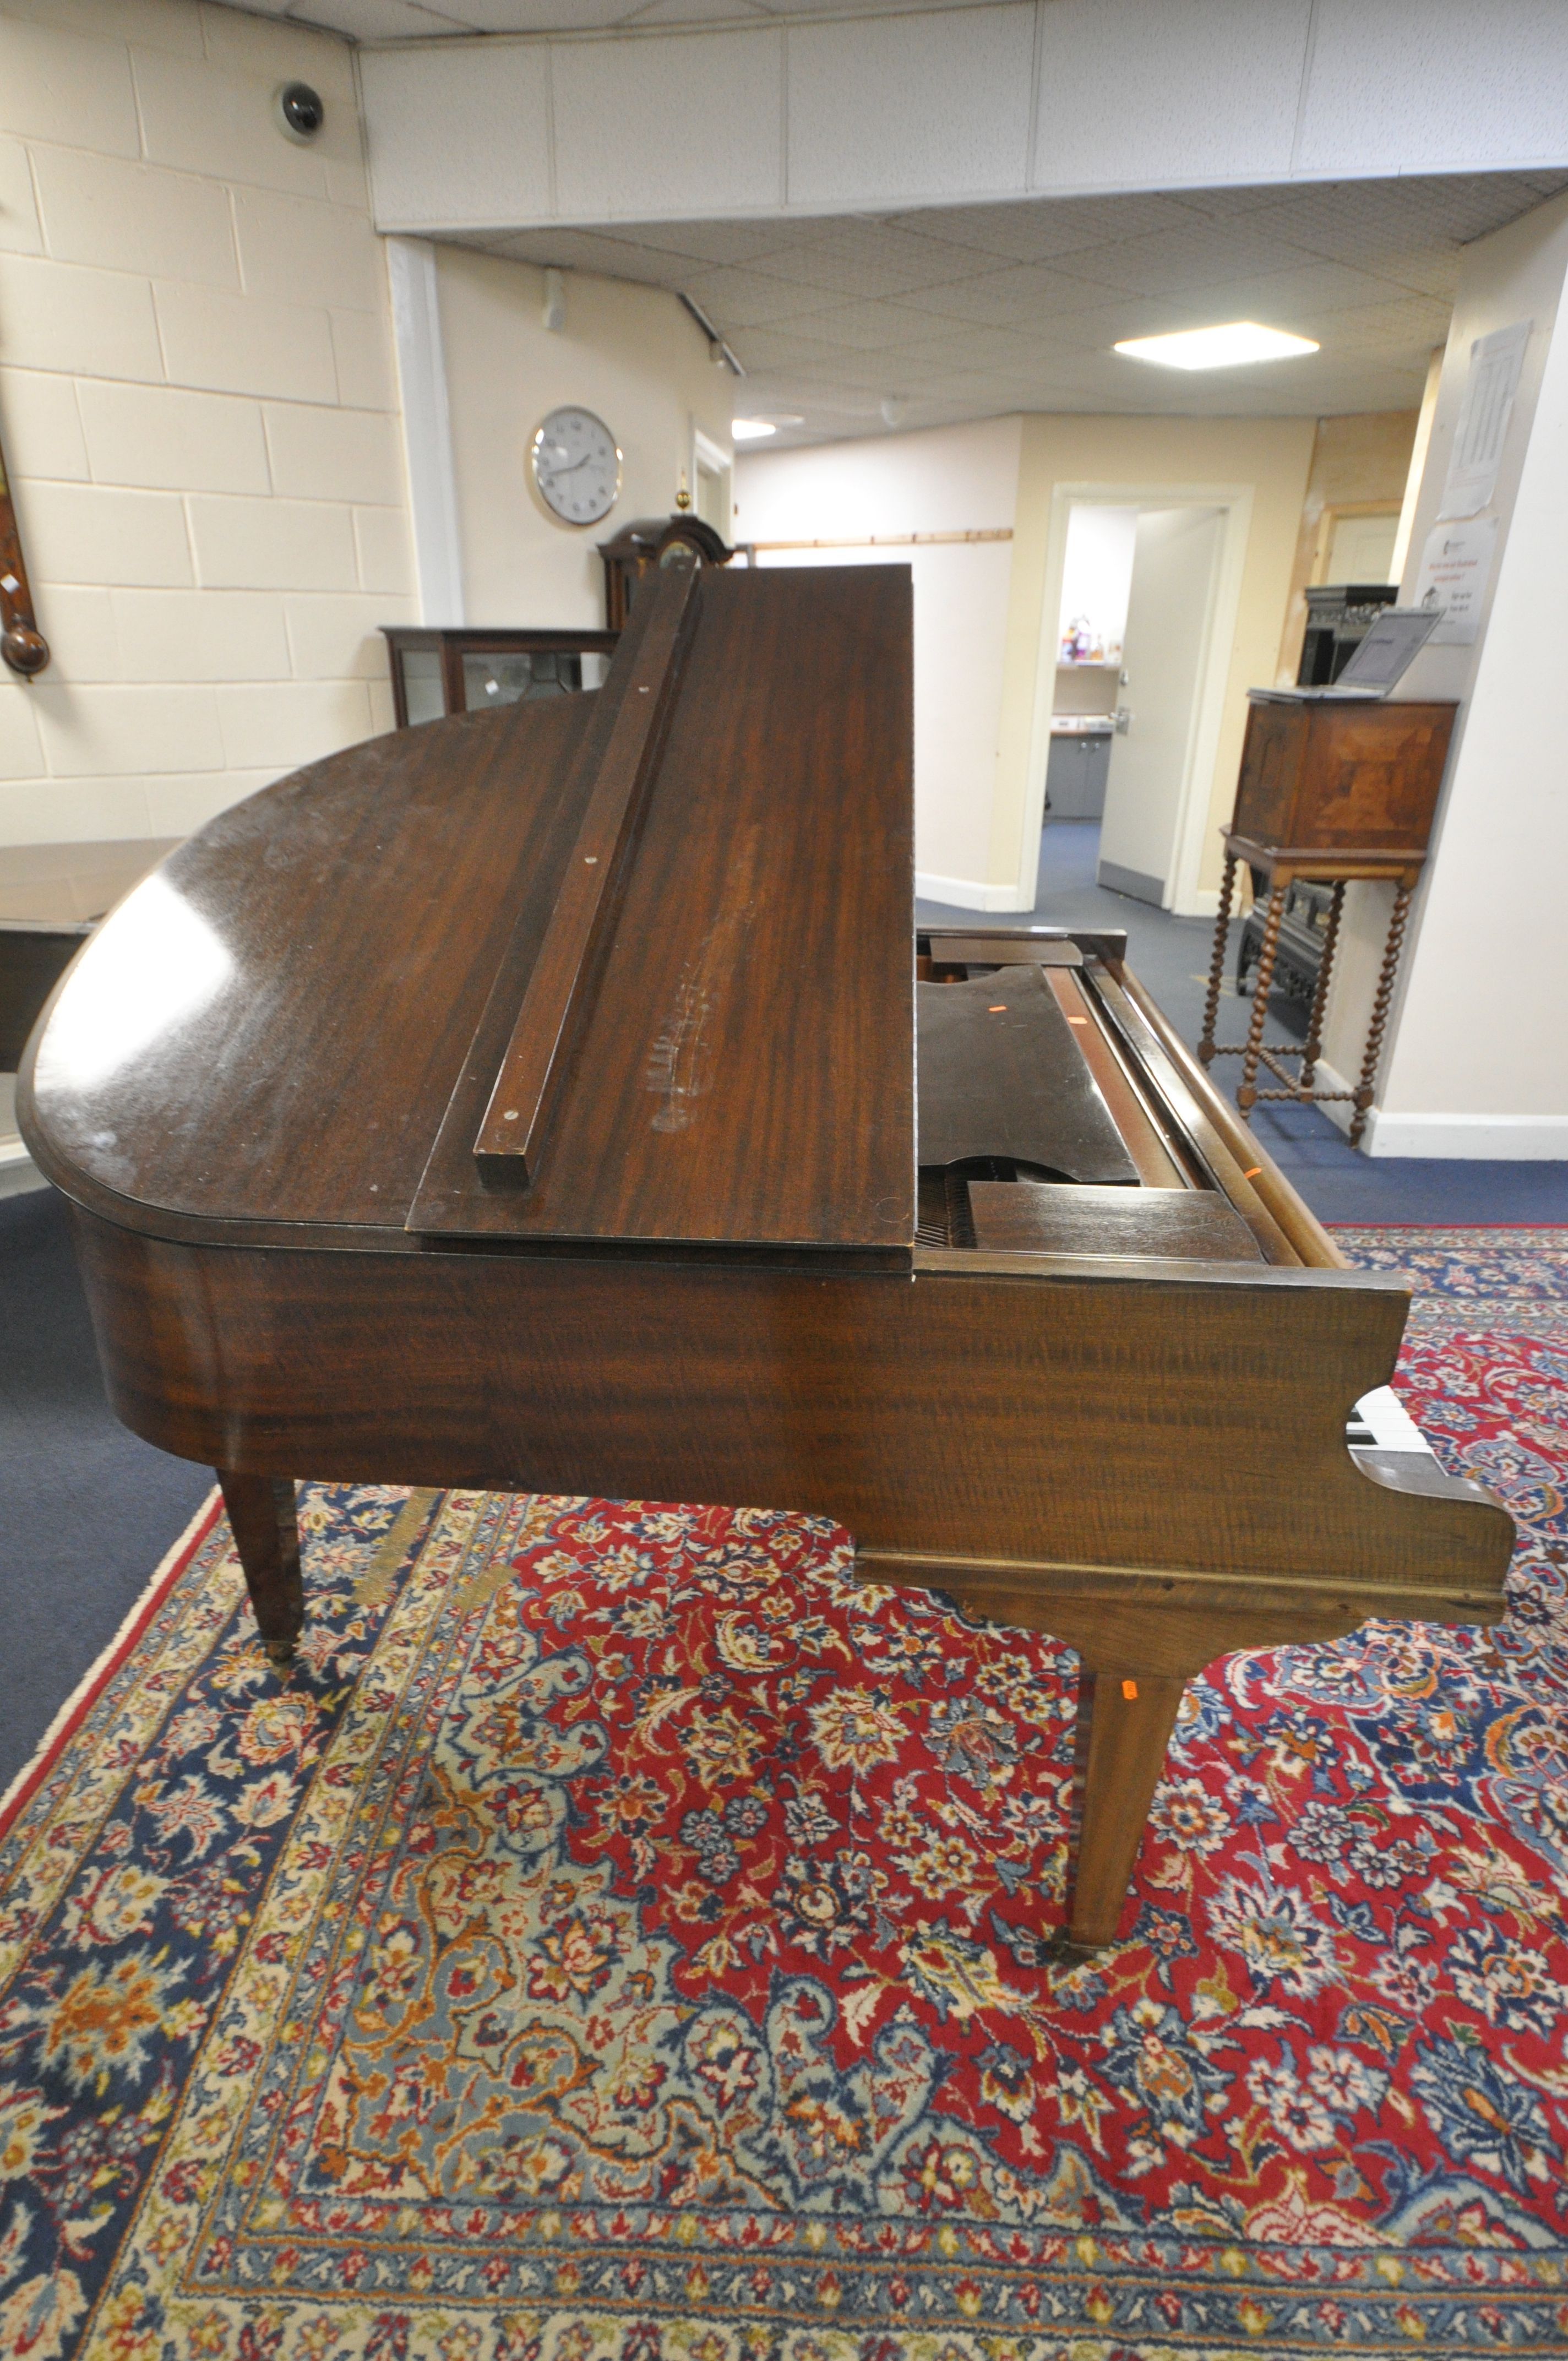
[
  {"x": 1456, "y": 565},
  {"x": 1489, "y": 390}
]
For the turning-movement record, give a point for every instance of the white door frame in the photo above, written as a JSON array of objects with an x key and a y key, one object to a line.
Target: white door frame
[
  {"x": 1184, "y": 895},
  {"x": 712, "y": 457}
]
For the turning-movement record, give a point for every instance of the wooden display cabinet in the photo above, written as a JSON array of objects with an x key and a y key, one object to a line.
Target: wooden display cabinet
[
  {"x": 1351, "y": 778},
  {"x": 435, "y": 672}
]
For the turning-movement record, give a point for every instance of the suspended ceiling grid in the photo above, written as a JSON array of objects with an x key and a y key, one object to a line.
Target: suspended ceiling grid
[{"x": 967, "y": 312}]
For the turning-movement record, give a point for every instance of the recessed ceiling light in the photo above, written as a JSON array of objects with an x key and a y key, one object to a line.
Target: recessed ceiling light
[
  {"x": 752, "y": 430},
  {"x": 1226, "y": 347}
]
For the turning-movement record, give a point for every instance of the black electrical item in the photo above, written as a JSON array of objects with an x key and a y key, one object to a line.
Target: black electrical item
[{"x": 301, "y": 110}]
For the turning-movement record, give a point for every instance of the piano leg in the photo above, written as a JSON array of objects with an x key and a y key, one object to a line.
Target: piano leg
[
  {"x": 267, "y": 1537},
  {"x": 1124, "y": 1723}
]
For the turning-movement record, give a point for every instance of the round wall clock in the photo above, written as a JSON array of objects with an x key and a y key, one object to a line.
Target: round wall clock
[{"x": 575, "y": 465}]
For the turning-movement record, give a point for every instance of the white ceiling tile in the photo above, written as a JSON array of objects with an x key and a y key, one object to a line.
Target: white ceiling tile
[
  {"x": 830, "y": 313},
  {"x": 1198, "y": 89},
  {"x": 724, "y": 241},
  {"x": 1043, "y": 230},
  {"x": 767, "y": 351},
  {"x": 867, "y": 259},
  {"x": 692, "y": 11},
  {"x": 868, "y": 327},
  {"x": 1311, "y": 288},
  {"x": 648, "y": 128},
  {"x": 382, "y": 21},
  {"x": 936, "y": 124},
  {"x": 1390, "y": 321},
  {"x": 581, "y": 249},
  {"x": 795, "y": 9},
  {"x": 1023, "y": 293},
  {"x": 747, "y": 299},
  {"x": 1203, "y": 255},
  {"x": 1413, "y": 85},
  {"x": 1099, "y": 327},
  {"x": 1227, "y": 203},
  {"x": 544, "y": 15},
  {"x": 435, "y": 108}
]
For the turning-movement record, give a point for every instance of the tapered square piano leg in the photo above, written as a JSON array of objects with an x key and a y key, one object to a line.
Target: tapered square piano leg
[
  {"x": 1125, "y": 1722},
  {"x": 267, "y": 1537}
]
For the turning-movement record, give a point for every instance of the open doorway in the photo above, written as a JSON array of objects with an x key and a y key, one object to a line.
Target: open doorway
[{"x": 1149, "y": 584}]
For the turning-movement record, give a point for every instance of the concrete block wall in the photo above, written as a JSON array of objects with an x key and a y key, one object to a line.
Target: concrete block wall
[{"x": 200, "y": 415}]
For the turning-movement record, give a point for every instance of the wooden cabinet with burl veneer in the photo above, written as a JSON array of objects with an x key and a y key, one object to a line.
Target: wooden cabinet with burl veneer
[{"x": 1355, "y": 776}]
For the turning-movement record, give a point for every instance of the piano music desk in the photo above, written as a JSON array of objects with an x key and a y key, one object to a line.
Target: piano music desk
[{"x": 529, "y": 1100}]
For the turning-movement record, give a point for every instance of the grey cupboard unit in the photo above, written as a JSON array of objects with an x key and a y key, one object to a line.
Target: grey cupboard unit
[{"x": 1076, "y": 774}]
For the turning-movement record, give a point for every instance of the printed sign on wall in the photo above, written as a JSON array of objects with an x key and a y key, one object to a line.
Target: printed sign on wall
[
  {"x": 1495, "y": 364},
  {"x": 1456, "y": 565}
]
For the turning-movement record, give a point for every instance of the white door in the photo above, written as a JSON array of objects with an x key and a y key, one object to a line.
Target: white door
[
  {"x": 1362, "y": 548},
  {"x": 1175, "y": 568}
]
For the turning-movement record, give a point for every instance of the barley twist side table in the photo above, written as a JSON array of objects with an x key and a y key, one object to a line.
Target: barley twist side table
[{"x": 1284, "y": 865}]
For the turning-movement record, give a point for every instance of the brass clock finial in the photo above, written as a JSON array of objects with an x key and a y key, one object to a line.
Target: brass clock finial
[{"x": 683, "y": 498}]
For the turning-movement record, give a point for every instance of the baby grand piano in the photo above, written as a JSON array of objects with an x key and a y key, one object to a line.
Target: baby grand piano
[{"x": 529, "y": 1101}]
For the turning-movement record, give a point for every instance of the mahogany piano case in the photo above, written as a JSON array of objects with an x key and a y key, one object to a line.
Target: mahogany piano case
[{"x": 539, "y": 1100}]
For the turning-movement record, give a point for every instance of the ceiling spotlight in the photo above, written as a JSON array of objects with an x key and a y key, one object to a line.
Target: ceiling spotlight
[
  {"x": 895, "y": 409},
  {"x": 1226, "y": 347},
  {"x": 752, "y": 430}
]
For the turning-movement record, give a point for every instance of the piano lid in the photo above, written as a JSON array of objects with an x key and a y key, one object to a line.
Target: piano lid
[{"x": 669, "y": 924}]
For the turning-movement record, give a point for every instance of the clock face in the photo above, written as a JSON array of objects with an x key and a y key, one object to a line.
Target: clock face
[{"x": 575, "y": 465}]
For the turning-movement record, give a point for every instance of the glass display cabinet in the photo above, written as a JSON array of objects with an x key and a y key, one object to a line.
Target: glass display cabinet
[{"x": 439, "y": 672}]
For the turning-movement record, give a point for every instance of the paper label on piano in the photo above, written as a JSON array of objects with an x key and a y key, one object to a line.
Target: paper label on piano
[
  {"x": 1495, "y": 364},
  {"x": 1456, "y": 565}
]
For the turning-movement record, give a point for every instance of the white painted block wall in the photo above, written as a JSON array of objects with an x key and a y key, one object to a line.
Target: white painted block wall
[
  {"x": 951, "y": 479},
  {"x": 1475, "y": 1064},
  {"x": 199, "y": 412}
]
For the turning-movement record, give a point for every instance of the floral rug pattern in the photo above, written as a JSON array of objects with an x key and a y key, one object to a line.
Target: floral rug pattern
[{"x": 624, "y": 1938}]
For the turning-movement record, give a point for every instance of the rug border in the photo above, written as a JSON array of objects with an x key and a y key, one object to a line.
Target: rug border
[{"x": 95, "y": 1679}]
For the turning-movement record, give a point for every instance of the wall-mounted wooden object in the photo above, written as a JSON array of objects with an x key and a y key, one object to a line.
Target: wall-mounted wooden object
[{"x": 22, "y": 644}]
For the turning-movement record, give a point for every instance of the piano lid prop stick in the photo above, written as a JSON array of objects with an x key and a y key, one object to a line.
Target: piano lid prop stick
[{"x": 533, "y": 1071}]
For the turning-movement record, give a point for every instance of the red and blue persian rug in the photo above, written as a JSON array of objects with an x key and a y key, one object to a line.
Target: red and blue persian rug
[{"x": 624, "y": 1938}]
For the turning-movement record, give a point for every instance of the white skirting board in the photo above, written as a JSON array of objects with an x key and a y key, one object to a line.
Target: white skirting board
[
  {"x": 1501, "y": 1139},
  {"x": 1506, "y": 1138},
  {"x": 966, "y": 894}
]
